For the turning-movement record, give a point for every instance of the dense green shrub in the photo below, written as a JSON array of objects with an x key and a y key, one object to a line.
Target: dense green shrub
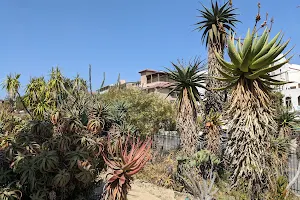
[
  {"x": 147, "y": 112},
  {"x": 53, "y": 151},
  {"x": 43, "y": 159}
]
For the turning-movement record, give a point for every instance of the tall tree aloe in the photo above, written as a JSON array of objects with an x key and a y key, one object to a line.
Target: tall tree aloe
[
  {"x": 187, "y": 78},
  {"x": 251, "y": 118},
  {"x": 215, "y": 24}
]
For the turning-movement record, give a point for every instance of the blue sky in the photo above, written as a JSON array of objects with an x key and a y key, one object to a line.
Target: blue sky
[{"x": 115, "y": 36}]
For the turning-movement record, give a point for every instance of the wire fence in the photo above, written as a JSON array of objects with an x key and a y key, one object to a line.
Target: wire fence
[
  {"x": 293, "y": 167},
  {"x": 167, "y": 141}
]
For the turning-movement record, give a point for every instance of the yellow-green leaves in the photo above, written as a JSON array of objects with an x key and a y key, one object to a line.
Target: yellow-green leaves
[{"x": 253, "y": 59}]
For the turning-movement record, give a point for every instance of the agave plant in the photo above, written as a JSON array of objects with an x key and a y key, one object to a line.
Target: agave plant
[
  {"x": 187, "y": 79},
  {"x": 202, "y": 189},
  {"x": 251, "y": 118},
  {"x": 125, "y": 160}
]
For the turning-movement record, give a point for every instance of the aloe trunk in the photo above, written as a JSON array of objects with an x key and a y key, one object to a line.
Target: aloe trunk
[
  {"x": 186, "y": 123},
  {"x": 213, "y": 139},
  {"x": 214, "y": 99},
  {"x": 251, "y": 128}
]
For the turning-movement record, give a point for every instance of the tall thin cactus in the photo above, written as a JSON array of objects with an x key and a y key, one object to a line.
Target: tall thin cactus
[{"x": 90, "y": 78}]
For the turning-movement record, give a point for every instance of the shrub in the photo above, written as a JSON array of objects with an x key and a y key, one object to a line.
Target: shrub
[
  {"x": 148, "y": 112},
  {"x": 45, "y": 159},
  {"x": 57, "y": 153}
]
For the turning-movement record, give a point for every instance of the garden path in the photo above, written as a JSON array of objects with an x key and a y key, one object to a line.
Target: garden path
[{"x": 147, "y": 191}]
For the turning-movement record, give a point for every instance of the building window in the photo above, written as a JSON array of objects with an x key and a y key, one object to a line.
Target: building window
[
  {"x": 149, "y": 79},
  {"x": 299, "y": 101},
  {"x": 293, "y": 87},
  {"x": 298, "y": 85},
  {"x": 154, "y": 78},
  {"x": 288, "y": 102},
  {"x": 286, "y": 76},
  {"x": 163, "y": 78}
]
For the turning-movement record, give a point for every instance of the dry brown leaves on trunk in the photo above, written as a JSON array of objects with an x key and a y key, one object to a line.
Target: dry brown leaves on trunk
[
  {"x": 251, "y": 128},
  {"x": 187, "y": 126}
]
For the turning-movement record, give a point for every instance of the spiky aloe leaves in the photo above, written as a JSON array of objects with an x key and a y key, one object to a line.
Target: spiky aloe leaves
[
  {"x": 215, "y": 22},
  {"x": 62, "y": 178},
  {"x": 254, "y": 59},
  {"x": 125, "y": 159},
  {"x": 187, "y": 77}
]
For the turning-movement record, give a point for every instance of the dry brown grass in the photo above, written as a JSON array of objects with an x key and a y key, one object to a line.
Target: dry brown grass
[{"x": 160, "y": 171}]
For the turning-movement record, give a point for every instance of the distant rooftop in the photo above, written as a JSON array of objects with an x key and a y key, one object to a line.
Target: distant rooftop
[
  {"x": 153, "y": 71},
  {"x": 148, "y": 70}
]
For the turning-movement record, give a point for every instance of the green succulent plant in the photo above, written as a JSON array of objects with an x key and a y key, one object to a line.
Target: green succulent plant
[
  {"x": 41, "y": 194},
  {"x": 10, "y": 194},
  {"x": 74, "y": 156},
  {"x": 48, "y": 161},
  {"x": 253, "y": 60},
  {"x": 215, "y": 22},
  {"x": 62, "y": 178},
  {"x": 204, "y": 157},
  {"x": 5, "y": 176},
  {"x": 187, "y": 78},
  {"x": 56, "y": 154},
  {"x": 85, "y": 176},
  {"x": 252, "y": 126},
  {"x": 28, "y": 173},
  {"x": 287, "y": 122}
]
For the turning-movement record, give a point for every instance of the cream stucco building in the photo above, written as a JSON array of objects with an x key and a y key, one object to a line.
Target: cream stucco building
[
  {"x": 158, "y": 82},
  {"x": 150, "y": 81}
]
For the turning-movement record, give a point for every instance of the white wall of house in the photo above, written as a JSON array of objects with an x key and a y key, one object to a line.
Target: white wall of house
[
  {"x": 202, "y": 90},
  {"x": 291, "y": 91}
]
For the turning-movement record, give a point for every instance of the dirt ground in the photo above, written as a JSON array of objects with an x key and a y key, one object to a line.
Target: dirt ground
[{"x": 147, "y": 191}]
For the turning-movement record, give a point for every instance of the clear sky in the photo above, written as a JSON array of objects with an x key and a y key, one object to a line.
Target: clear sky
[{"x": 116, "y": 36}]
